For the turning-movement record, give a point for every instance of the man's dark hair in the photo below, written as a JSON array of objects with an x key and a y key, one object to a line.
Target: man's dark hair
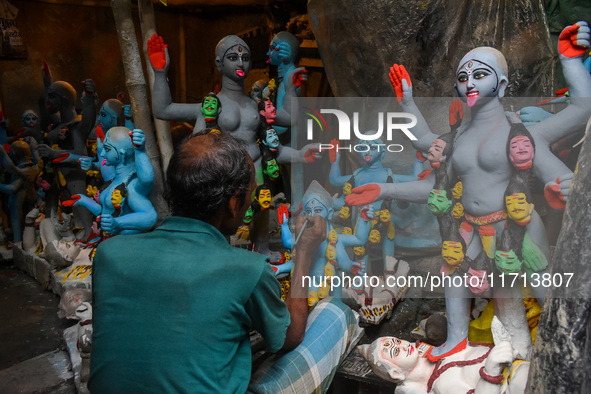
[{"x": 205, "y": 172}]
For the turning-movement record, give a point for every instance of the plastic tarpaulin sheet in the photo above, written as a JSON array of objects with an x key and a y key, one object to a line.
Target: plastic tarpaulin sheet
[
  {"x": 562, "y": 13},
  {"x": 360, "y": 40}
]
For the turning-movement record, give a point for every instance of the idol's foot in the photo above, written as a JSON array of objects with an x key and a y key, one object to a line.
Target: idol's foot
[
  {"x": 273, "y": 256},
  {"x": 282, "y": 269},
  {"x": 447, "y": 349}
]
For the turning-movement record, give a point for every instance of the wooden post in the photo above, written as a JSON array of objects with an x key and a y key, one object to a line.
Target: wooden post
[{"x": 561, "y": 360}]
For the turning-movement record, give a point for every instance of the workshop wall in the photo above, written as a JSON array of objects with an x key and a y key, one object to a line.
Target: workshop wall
[{"x": 80, "y": 42}]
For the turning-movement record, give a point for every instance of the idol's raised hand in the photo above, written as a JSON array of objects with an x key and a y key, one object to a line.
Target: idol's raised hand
[
  {"x": 574, "y": 40},
  {"x": 401, "y": 83},
  {"x": 158, "y": 53}
]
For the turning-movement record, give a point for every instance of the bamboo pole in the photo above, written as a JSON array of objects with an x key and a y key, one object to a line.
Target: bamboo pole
[
  {"x": 183, "y": 58},
  {"x": 148, "y": 27},
  {"x": 136, "y": 86}
]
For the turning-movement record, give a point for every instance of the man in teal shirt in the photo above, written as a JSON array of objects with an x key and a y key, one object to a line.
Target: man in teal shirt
[{"x": 173, "y": 308}]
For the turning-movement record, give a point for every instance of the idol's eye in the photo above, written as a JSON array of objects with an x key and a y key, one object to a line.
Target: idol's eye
[
  {"x": 373, "y": 147},
  {"x": 232, "y": 57},
  {"x": 481, "y": 74},
  {"x": 246, "y": 58},
  {"x": 396, "y": 352},
  {"x": 462, "y": 78}
]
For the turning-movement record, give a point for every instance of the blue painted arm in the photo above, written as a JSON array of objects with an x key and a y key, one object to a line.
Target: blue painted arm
[
  {"x": 80, "y": 200},
  {"x": 286, "y": 233},
  {"x": 361, "y": 231},
  {"x": 143, "y": 165},
  {"x": 142, "y": 217},
  {"x": 66, "y": 157},
  {"x": 128, "y": 116}
]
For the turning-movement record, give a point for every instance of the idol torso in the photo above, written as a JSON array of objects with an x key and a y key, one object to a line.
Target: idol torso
[
  {"x": 240, "y": 117},
  {"x": 479, "y": 158}
]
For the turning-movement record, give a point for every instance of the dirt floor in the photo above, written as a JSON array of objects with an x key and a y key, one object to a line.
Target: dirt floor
[{"x": 28, "y": 315}]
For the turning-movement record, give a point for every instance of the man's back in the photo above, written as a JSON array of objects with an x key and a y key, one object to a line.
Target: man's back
[{"x": 173, "y": 309}]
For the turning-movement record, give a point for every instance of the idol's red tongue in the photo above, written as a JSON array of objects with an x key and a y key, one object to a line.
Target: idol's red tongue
[
  {"x": 367, "y": 158},
  {"x": 240, "y": 73},
  {"x": 472, "y": 98},
  {"x": 104, "y": 161}
]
